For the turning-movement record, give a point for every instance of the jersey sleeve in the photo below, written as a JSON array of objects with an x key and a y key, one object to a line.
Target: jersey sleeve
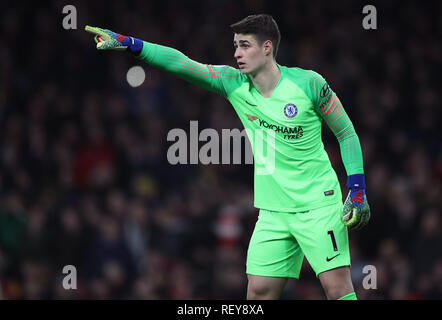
[
  {"x": 329, "y": 107},
  {"x": 209, "y": 77}
]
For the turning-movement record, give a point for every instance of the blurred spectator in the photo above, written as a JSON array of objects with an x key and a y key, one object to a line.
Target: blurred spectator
[{"x": 85, "y": 180}]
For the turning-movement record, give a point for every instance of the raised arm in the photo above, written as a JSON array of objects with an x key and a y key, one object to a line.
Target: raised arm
[{"x": 205, "y": 76}]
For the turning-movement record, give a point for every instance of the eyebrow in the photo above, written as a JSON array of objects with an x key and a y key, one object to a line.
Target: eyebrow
[{"x": 241, "y": 41}]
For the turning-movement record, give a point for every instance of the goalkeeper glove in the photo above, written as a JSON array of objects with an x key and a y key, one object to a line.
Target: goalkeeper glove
[
  {"x": 356, "y": 212},
  {"x": 109, "y": 40}
]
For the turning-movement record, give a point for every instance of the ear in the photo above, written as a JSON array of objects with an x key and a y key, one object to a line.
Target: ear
[{"x": 268, "y": 47}]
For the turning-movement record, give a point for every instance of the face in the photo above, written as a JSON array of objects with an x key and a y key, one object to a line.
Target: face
[{"x": 249, "y": 55}]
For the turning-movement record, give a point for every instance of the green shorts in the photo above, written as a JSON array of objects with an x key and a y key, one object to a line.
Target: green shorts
[{"x": 281, "y": 239}]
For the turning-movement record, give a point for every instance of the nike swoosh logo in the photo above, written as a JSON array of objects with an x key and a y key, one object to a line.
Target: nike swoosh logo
[
  {"x": 330, "y": 259},
  {"x": 251, "y": 104}
]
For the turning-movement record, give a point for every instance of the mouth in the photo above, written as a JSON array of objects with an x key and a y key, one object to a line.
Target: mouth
[{"x": 241, "y": 65}]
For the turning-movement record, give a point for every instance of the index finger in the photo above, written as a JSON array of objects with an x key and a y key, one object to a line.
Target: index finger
[{"x": 95, "y": 30}]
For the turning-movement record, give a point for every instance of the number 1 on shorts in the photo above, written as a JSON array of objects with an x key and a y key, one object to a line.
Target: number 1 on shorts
[{"x": 332, "y": 236}]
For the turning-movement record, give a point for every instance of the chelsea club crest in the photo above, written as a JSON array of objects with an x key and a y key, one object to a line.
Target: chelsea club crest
[{"x": 290, "y": 110}]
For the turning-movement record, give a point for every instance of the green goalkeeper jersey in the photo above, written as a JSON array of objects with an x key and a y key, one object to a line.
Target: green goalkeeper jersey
[{"x": 292, "y": 169}]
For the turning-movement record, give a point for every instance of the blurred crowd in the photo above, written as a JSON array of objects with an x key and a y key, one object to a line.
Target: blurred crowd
[{"x": 84, "y": 177}]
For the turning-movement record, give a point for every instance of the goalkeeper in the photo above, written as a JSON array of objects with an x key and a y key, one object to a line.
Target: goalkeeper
[{"x": 299, "y": 200}]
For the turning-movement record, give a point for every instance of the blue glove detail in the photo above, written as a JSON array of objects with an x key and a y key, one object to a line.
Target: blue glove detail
[
  {"x": 356, "y": 181},
  {"x": 134, "y": 45},
  {"x": 356, "y": 211},
  {"x": 109, "y": 40}
]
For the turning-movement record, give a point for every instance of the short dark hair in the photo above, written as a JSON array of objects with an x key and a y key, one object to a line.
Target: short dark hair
[{"x": 262, "y": 26}]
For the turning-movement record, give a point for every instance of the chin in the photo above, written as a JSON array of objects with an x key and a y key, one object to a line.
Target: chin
[{"x": 245, "y": 71}]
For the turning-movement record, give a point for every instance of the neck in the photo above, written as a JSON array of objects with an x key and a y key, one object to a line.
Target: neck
[{"x": 266, "y": 79}]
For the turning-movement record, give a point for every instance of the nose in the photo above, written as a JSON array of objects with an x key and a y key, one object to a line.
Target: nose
[{"x": 237, "y": 54}]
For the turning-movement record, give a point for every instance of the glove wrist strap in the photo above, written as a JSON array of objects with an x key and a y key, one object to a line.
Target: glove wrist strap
[
  {"x": 356, "y": 181},
  {"x": 134, "y": 45}
]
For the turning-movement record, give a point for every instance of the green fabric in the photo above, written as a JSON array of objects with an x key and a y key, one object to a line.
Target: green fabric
[
  {"x": 292, "y": 169},
  {"x": 205, "y": 76},
  {"x": 281, "y": 239},
  {"x": 327, "y": 104},
  {"x": 350, "y": 296}
]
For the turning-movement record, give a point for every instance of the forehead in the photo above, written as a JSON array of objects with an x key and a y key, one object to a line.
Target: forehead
[{"x": 243, "y": 37}]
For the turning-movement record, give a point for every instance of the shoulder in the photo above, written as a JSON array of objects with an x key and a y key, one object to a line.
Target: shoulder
[
  {"x": 231, "y": 78},
  {"x": 310, "y": 81},
  {"x": 223, "y": 69},
  {"x": 304, "y": 76}
]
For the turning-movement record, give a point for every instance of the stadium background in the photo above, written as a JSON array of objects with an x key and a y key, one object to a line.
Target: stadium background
[{"x": 84, "y": 178}]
